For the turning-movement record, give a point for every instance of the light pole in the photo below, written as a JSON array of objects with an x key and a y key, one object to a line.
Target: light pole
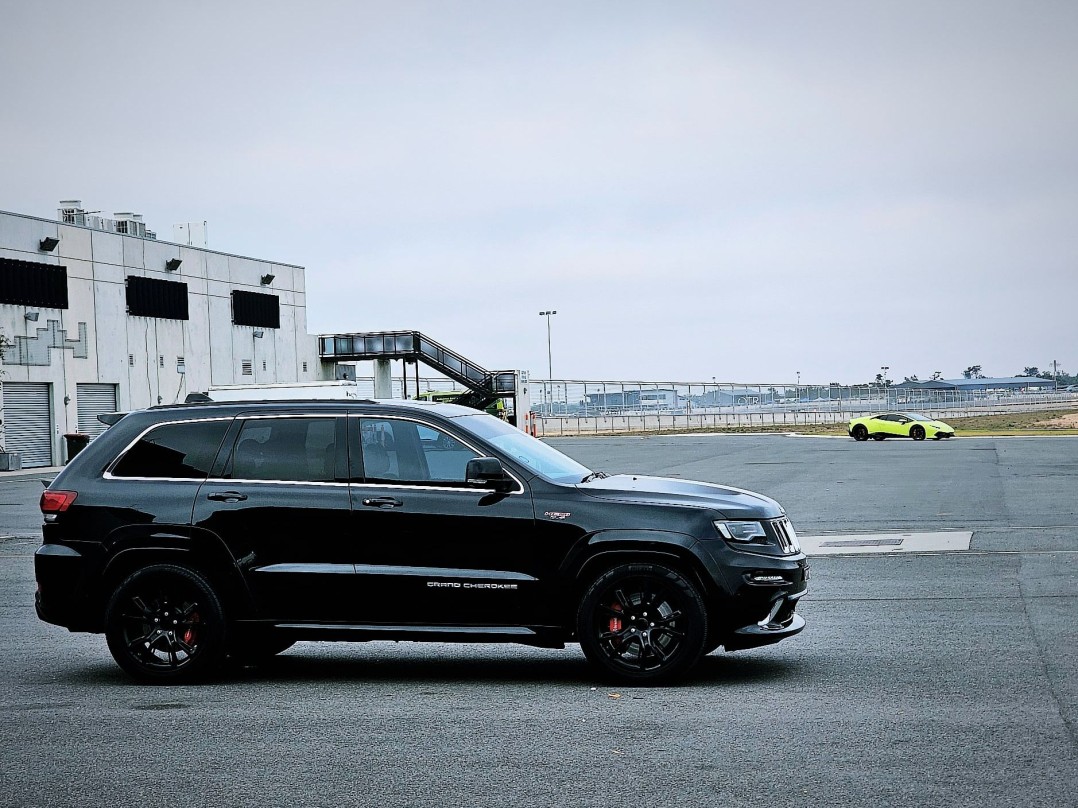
[
  {"x": 883, "y": 379},
  {"x": 549, "y": 360}
]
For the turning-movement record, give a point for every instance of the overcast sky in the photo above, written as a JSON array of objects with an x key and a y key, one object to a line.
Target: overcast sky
[{"x": 731, "y": 190}]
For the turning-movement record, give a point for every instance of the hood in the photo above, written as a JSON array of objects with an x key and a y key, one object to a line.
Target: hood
[{"x": 732, "y": 503}]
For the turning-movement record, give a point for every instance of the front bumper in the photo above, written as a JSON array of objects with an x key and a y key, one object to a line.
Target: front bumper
[{"x": 781, "y": 622}]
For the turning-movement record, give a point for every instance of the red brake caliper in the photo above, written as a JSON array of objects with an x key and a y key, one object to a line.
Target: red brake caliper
[
  {"x": 189, "y": 635},
  {"x": 615, "y": 622}
]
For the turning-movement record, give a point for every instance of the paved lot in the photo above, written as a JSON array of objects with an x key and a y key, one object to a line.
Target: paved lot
[{"x": 936, "y": 679}]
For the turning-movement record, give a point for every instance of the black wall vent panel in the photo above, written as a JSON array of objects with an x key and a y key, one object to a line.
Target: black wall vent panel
[
  {"x": 149, "y": 297},
  {"x": 254, "y": 309},
  {"x": 28, "y": 283}
]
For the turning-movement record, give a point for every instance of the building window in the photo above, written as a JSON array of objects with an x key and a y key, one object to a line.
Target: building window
[
  {"x": 150, "y": 297},
  {"x": 161, "y": 360},
  {"x": 304, "y": 367},
  {"x": 247, "y": 367},
  {"x": 28, "y": 283},
  {"x": 131, "y": 359},
  {"x": 263, "y": 364},
  {"x": 180, "y": 368},
  {"x": 257, "y": 310}
]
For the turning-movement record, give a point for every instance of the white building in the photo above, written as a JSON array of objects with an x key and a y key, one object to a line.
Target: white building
[{"x": 99, "y": 316}]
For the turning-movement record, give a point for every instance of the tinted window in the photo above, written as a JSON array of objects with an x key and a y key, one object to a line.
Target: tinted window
[
  {"x": 292, "y": 449},
  {"x": 403, "y": 451},
  {"x": 447, "y": 458},
  {"x": 174, "y": 450}
]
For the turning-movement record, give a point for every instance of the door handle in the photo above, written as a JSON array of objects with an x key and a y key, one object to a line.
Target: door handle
[
  {"x": 382, "y": 502},
  {"x": 227, "y": 496}
]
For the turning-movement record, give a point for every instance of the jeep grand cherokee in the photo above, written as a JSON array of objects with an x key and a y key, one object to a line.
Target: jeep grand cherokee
[{"x": 195, "y": 534}]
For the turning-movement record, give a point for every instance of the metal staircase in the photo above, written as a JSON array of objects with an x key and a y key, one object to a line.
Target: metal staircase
[{"x": 485, "y": 387}]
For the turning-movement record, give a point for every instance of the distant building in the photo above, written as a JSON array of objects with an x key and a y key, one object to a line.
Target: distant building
[
  {"x": 634, "y": 400},
  {"x": 100, "y": 316},
  {"x": 1005, "y": 383}
]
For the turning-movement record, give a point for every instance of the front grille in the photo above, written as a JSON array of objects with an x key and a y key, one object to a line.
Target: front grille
[{"x": 787, "y": 537}]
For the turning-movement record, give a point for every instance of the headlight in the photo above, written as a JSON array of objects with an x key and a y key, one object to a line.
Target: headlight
[{"x": 740, "y": 531}]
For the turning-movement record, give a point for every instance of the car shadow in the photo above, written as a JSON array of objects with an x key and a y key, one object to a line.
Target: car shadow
[{"x": 349, "y": 666}]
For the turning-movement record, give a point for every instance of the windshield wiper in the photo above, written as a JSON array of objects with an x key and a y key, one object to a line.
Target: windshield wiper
[{"x": 595, "y": 475}]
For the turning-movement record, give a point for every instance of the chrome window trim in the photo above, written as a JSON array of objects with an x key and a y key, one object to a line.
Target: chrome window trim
[
  {"x": 419, "y": 486},
  {"x": 108, "y": 475}
]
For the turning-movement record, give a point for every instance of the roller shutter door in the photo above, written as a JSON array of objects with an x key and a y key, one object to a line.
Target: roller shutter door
[
  {"x": 94, "y": 400},
  {"x": 28, "y": 422}
]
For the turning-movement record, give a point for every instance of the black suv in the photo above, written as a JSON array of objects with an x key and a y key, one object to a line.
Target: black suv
[{"x": 198, "y": 533}]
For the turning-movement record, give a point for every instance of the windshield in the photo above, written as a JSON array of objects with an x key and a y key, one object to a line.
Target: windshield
[
  {"x": 523, "y": 448},
  {"x": 915, "y": 417}
]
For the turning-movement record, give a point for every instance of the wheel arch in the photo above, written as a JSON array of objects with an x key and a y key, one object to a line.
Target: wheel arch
[
  {"x": 609, "y": 549},
  {"x": 132, "y": 549}
]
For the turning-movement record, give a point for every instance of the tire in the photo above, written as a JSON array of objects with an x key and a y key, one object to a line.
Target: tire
[
  {"x": 860, "y": 432},
  {"x": 165, "y": 624},
  {"x": 642, "y": 624},
  {"x": 879, "y": 437},
  {"x": 917, "y": 432}
]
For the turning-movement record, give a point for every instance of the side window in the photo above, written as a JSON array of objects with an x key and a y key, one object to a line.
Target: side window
[
  {"x": 447, "y": 458},
  {"x": 184, "y": 451},
  {"x": 404, "y": 451},
  {"x": 378, "y": 449},
  {"x": 290, "y": 449}
]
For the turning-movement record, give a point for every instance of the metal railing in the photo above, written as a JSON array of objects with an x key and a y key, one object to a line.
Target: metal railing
[
  {"x": 564, "y": 407},
  {"x": 485, "y": 386}
]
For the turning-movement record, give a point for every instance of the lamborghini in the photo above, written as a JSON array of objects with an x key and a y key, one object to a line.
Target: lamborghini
[{"x": 899, "y": 425}]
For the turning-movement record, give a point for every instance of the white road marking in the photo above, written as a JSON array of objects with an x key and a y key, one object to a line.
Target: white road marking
[{"x": 886, "y": 543}]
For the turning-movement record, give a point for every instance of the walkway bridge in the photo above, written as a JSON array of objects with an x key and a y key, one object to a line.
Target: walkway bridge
[{"x": 484, "y": 386}]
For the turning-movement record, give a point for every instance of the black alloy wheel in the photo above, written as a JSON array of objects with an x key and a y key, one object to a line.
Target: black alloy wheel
[
  {"x": 165, "y": 624},
  {"x": 860, "y": 432},
  {"x": 642, "y": 624},
  {"x": 917, "y": 432}
]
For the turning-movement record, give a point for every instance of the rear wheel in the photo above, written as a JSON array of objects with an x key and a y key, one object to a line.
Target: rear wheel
[
  {"x": 860, "y": 432},
  {"x": 165, "y": 624},
  {"x": 642, "y": 624},
  {"x": 917, "y": 432}
]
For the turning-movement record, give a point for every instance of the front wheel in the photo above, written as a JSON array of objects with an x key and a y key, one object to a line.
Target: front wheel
[
  {"x": 164, "y": 623},
  {"x": 642, "y": 624},
  {"x": 917, "y": 432}
]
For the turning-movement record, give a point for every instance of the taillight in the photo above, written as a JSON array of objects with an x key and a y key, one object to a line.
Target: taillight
[{"x": 56, "y": 501}]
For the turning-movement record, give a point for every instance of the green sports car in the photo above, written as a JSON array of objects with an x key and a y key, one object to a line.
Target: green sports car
[{"x": 899, "y": 425}]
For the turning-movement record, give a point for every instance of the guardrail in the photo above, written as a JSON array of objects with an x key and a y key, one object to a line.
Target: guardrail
[{"x": 571, "y": 408}]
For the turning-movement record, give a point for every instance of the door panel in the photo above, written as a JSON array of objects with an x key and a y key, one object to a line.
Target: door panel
[
  {"x": 429, "y": 550},
  {"x": 285, "y": 515}
]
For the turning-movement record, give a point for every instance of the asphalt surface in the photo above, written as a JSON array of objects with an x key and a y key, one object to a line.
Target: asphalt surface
[{"x": 921, "y": 680}]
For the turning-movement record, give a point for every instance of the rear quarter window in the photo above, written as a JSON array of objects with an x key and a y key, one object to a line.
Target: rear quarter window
[{"x": 178, "y": 451}]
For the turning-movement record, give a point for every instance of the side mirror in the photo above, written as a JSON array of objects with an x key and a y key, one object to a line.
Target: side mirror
[{"x": 487, "y": 472}]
